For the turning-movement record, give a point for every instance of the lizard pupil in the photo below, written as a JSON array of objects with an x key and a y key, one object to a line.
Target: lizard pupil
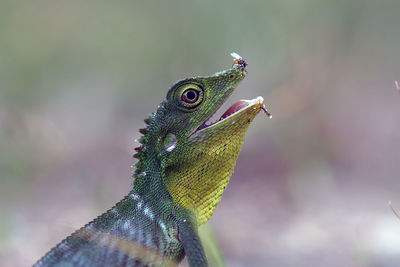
[{"x": 190, "y": 96}]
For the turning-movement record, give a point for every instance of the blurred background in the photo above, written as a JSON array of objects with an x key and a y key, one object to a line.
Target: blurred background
[{"x": 311, "y": 186}]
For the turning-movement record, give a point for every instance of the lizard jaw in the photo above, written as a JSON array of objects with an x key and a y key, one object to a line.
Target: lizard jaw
[{"x": 235, "y": 110}]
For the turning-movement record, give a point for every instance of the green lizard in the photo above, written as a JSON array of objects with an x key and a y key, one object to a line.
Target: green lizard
[{"x": 183, "y": 168}]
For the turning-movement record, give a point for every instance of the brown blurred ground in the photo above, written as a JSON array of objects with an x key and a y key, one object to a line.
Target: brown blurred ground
[{"x": 311, "y": 185}]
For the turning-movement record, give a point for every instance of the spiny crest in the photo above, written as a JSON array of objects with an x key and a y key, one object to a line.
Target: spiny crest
[
  {"x": 146, "y": 145},
  {"x": 142, "y": 148}
]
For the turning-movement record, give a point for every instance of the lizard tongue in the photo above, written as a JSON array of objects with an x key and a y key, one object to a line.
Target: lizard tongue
[
  {"x": 231, "y": 110},
  {"x": 234, "y": 108}
]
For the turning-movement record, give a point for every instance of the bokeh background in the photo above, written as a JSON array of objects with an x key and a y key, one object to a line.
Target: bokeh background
[{"x": 311, "y": 186}]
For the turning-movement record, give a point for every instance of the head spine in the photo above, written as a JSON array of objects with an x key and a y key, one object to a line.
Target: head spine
[{"x": 140, "y": 150}]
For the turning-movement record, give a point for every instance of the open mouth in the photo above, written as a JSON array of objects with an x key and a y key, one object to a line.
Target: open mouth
[{"x": 238, "y": 107}]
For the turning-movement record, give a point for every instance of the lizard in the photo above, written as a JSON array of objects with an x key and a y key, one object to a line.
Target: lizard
[{"x": 184, "y": 165}]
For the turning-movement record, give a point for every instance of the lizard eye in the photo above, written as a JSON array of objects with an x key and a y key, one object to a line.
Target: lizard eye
[{"x": 190, "y": 96}]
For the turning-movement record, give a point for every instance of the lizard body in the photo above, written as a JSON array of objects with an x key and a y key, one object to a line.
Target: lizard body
[{"x": 183, "y": 168}]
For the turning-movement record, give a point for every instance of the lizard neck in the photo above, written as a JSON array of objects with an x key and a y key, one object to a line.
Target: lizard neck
[
  {"x": 153, "y": 169},
  {"x": 148, "y": 175}
]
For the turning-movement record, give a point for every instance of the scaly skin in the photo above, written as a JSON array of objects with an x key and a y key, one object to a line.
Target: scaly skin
[{"x": 183, "y": 169}]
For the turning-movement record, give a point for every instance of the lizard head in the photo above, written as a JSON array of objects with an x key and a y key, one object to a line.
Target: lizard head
[{"x": 197, "y": 157}]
